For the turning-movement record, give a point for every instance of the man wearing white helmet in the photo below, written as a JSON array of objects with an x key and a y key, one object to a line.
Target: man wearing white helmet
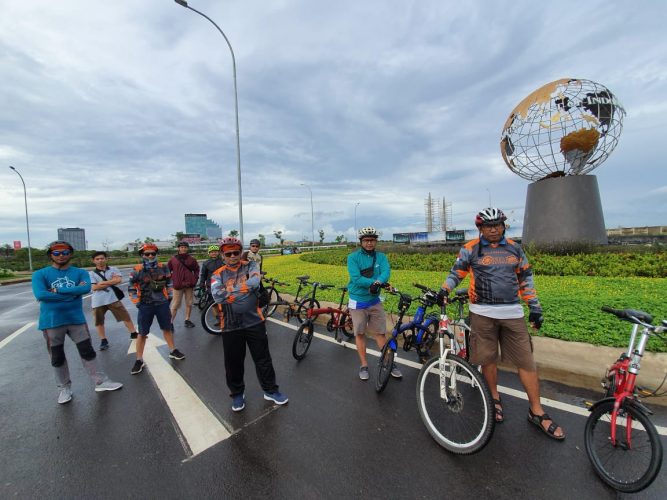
[
  {"x": 368, "y": 270},
  {"x": 500, "y": 277}
]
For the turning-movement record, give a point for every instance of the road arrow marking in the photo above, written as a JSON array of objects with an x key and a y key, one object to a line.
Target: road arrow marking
[
  {"x": 16, "y": 334},
  {"x": 198, "y": 426}
]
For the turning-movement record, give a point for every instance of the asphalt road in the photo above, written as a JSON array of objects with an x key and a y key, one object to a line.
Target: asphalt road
[{"x": 336, "y": 438}]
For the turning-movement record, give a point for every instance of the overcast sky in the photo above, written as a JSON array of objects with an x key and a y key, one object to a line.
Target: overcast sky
[{"x": 120, "y": 114}]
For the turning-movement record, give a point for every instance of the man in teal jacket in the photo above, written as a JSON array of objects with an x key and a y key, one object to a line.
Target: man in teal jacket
[
  {"x": 59, "y": 289},
  {"x": 368, "y": 270}
]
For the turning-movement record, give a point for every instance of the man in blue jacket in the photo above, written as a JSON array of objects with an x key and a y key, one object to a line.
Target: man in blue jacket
[
  {"x": 59, "y": 289},
  {"x": 368, "y": 270}
]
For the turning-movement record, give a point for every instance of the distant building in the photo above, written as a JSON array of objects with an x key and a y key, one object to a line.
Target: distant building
[
  {"x": 200, "y": 224},
  {"x": 75, "y": 236}
]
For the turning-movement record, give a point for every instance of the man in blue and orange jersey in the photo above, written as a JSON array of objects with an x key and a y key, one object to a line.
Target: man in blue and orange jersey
[
  {"x": 500, "y": 277},
  {"x": 234, "y": 287}
]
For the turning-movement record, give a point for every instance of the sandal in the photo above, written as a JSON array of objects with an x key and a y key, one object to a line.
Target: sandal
[
  {"x": 551, "y": 430},
  {"x": 498, "y": 411}
]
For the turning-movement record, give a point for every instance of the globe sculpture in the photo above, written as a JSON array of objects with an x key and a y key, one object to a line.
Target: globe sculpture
[{"x": 555, "y": 137}]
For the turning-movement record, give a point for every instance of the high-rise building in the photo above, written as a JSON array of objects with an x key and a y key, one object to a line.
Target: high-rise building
[
  {"x": 75, "y": 236},
  {"x": 200, "y": 224}
]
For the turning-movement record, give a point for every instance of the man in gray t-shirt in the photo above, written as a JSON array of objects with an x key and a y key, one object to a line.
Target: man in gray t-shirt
[{"x": 105, "y": 281}]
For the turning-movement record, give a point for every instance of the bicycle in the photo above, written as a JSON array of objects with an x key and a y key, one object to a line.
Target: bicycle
[
  {"x": 275, "y": 300},
  {"x": 422, "y": 332},
  {"x": 340, "y": 322},
  {"x": 453, "y": 398},
  {"x": 621, "y": 442}
]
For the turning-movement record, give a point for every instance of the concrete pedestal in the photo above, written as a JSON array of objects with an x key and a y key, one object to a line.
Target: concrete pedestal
[{"x": 564, "y": 210}]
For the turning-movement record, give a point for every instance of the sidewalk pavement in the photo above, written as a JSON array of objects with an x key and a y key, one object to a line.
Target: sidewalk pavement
[{"x": 576, "y": 364}]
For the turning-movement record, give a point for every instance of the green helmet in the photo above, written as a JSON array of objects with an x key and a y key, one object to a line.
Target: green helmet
[{"x": 213, "y": 248}]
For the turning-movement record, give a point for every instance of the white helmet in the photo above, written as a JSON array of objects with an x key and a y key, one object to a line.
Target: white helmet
[
  {"x": 490, "y": 215},
  {"x": 368, "y": 232}
]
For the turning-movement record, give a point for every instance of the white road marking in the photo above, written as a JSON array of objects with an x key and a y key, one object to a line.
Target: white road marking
[
  {"x": 199, "y": 427},
  {"x": 551, "y": 403},
  {"x": 16, "y": 333}
]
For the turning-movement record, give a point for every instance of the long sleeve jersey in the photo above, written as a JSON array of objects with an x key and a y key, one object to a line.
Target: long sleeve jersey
[
  {"x": 59, "y": 293},
  {"x": 207, "y": 270},
  {"x": 358, "y": 285},
  {"x": 234, "y": 288},
  {"x": 150, "y": 283},
  {"x": 499, "y": 273}
]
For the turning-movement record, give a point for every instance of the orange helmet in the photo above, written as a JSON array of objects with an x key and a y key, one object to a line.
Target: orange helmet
[{"x": 148, "y": 246}]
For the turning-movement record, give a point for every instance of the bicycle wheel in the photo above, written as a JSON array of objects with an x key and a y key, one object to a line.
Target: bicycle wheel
[
  {"x": 274, "y": 300},
  {"x": 302, "y": 310},
  {"x": 428, "y": 339},
  {"x": 385, "y": 363},
  {"x": 455, "y": 404},
  {"x": 302, "y": 340},
  {"x": 347, "y": 327},
  {"x": 634, "y": 462},
  {"x": 210, "y": 319}
]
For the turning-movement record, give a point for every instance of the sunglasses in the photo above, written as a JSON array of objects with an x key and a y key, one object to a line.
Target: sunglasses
[
  {"x": 150, "y": 254},
  {"x": 254, "y": 245},
  {"x": 58, "y": 253},
  {"x": 235, "y": 253}
]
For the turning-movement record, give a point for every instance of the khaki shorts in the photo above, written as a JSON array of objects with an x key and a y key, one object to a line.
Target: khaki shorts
[
  {"x": 178, "y": 296},
  {"x": 516, "y": 346},
  {"x": 117, "y": 309},
  {"x": 372, "y": 320}
]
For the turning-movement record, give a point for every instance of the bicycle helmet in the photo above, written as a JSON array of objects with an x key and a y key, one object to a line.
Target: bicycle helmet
[
  {"x": 230, "y": 241},
  {"x": 490, "y": 216},
  {"x": 183, "y": 244},
  {"x": 59, "y": 245},
  {"x": 148, "y": 246},
  {"x": 213, "y": 248},
  {"x": 368, "y": 232},
  {"x": 255, "y": 241}
]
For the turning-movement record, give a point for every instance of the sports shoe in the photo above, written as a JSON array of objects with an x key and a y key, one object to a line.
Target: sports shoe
[
  {"x": 138, "y": 366},
  {"x": 395, "y": 372},
  {"x": 65, "y": 395},
  {"x": 238, "y": 403},
  {"x": 176, "y": 354},
  {"x": 104, "y": 345},
  {"x": 277, "y": 397},
  {"x": 108, "y": 385},
  {"x": 189, "y": 323},
  {"x": 133, "y": 335},
  {"x": 363, "y": 373}
]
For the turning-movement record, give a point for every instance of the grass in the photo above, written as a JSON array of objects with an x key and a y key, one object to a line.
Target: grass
[{"x": 571, "y": 303}]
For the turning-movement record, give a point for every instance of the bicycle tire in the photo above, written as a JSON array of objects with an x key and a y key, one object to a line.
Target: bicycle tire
[
  {"x": 385, "y": 363},
  {"x": 465, "y": 423},
  {"x": 210, "y": 319},
  {"x": 274, "y": 300},
  {"x": 347, "y": 327},
  {"x": 302, "y": 340},
  {"x": 302, "y": 311},
  {"x": 428, "y": 339},
  {"x": 632, "y": 471}
]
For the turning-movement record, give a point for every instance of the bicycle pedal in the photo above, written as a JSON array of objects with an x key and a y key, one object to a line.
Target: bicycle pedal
[
  {"x": 644, "y": 392},
  {"x": 589, "y": 404}
]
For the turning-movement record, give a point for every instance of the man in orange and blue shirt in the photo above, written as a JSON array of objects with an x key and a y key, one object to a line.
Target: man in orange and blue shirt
[{"x": 500, "y": 277}]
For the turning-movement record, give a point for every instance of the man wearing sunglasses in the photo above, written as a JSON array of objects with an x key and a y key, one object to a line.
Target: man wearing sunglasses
[
  {"x": 253, "y": 254},
  {"x": 59, "y": 289},
  {"x": 150, "y": 288},
  {"x": 234, "y": 287}
]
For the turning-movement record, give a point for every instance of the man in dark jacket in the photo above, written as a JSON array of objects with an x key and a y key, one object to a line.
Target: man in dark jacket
[
  {"x": 209, "y": 267},
  {"x": 184, "y": 274}
]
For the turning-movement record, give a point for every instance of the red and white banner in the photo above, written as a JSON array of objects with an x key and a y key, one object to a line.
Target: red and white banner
[{"x": 17, "y": 245}]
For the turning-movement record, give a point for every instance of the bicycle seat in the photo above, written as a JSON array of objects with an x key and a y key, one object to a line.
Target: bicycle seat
[
  {"x": 303, "y": 278},
  {"x": 628, "y": 314},
  {"x": 343, "y": 288},
  {"x": 461, "y": 291}
]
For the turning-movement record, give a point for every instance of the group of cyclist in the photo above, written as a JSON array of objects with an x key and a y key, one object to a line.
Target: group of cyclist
[{"x": 500, "y": 276}]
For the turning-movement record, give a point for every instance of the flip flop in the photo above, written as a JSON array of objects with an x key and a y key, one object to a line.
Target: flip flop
[
  {"x": 551, "y": 430},
  {"x": 498, "y": 411}
]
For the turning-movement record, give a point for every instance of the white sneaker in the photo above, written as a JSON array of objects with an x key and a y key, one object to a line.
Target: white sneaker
[
  {"x": 65, "y": 395},
  {"x": 108, "y": 386}
]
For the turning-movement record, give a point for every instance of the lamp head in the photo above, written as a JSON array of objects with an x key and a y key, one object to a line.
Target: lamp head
[{"x": 181, "y": 2}]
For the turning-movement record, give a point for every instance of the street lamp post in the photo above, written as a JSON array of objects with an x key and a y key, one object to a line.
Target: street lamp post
[
  {"x": 489, "y": 192},
  {"x": 355, "y": 219},
  {"x": 27, "y": 224},
  {"x": 184, "y": 3},
  {"x": 312, "y": 219}
]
